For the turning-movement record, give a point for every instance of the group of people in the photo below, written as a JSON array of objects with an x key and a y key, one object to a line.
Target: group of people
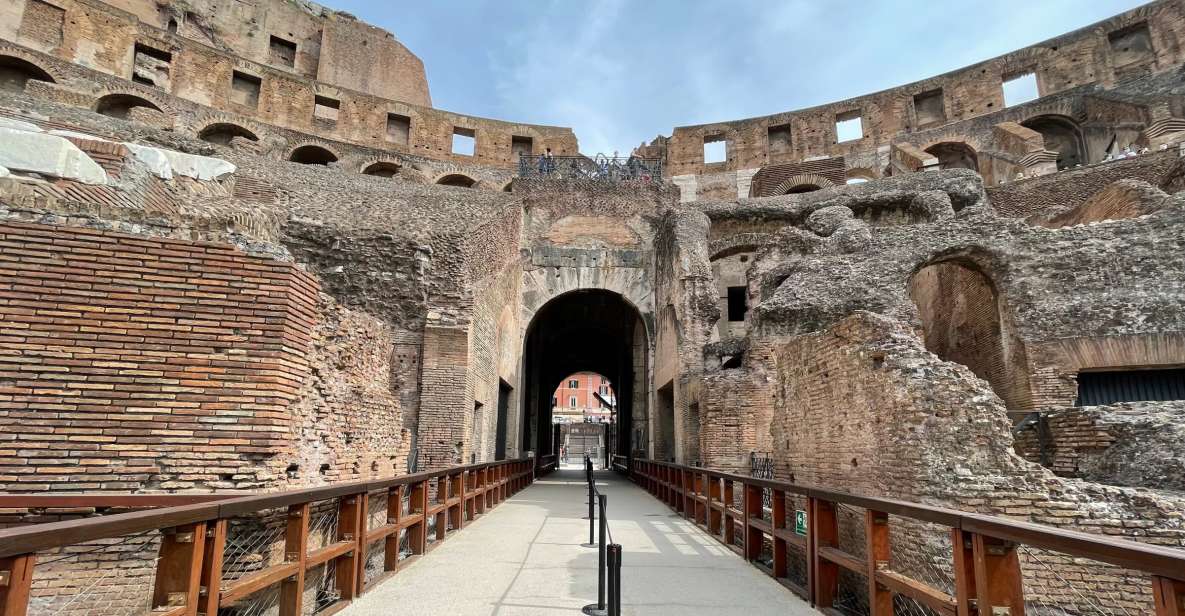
[{"x": 600, "y": 166}]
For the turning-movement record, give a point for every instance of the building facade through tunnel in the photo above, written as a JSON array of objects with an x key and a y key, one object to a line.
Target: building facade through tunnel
[{"x": 586, "y": 331}]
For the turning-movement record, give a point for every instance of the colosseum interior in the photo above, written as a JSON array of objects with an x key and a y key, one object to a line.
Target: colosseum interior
[{"x": 240, "y": 251}]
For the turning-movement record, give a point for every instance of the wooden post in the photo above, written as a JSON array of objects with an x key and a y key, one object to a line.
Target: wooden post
[
  {"x": 730, "y": 528},
  {"x": 824, "y": 531},
  {"x": 778, "y": 504},
  {"x": 348, "y": 526},
  {"x": 417, "y": 538},
  {"x": 1169, "y": 596},
  {"x": 16, "y": 577},
  {"x": 714, "y": 517},
  {"x": 394, "y": 516},
  {"x": 296, "y": 543},
  {"x": 753, "y": 509},
  {"x": 997, "y": 575},
  {"x": 442, "y": 499},
  {"x": 876, "y": 530},
  {"x": 211, "y": 577},
  {"x": 964, "y": 569},
  {"x": 179, "y": 568}
]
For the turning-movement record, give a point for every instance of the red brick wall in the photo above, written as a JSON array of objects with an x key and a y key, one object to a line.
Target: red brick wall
[{"x": 134, "y": 363}]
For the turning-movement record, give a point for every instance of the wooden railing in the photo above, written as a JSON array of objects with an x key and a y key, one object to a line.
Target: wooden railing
[
  {"x": 986, "y": 569},
  {"x": 546, "y": 464},
  {"x": 193, "y": 538}
]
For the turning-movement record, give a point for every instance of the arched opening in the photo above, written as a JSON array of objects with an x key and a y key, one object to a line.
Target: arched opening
[
  {"x": 120, "y": 105},
  {"x": 954, "y": 155},
  {"x": 964, "y": 321},
  {"x": 223, "y": 132},
  {"x": 15, "y": 73},
  {"x": 583, "y": 332},
  {"x": 1062, "y": 135},
  {"x": 802, "y": 188},
  {"x": 583, "y": 407},
  {"x": 382, "y": 169},
  {"x": 456, "y": 179},
  {"x": 312, "y": 155}
]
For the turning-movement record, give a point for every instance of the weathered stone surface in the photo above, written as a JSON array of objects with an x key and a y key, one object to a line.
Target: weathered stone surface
[
  {"x": 825, "y": 221},
  {"x": 49, "y": 155}
]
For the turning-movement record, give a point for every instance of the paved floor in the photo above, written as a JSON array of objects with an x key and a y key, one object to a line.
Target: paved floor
[{"x": 525, "y": 557}]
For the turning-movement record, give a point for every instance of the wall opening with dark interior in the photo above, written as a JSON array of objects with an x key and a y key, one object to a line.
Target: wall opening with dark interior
[
  {"x": 802, "y": 188},
  {"x": 456, "y": 179},
  {"x": 738, "y": 303},
  {"x": 15, "y": 73},
  {"x": 664, "y": 423},
  {"x": 500, "y": 428},
  {"x": 521, "y": 146},
  {"x": 929, "y": 108},
  {"x": 1131, "y": 45},
  {"x": 1097, "y": 387},
  {"x": 586, "y": 331},
  {"x": 963, "y": 321},
  {"x": 223, "y": 133},
  {"x": 312, "y": 155},
  {"x": 150, "y": 66},
  {"x": 398, "y": 128},
  {"x": 778, "y": 138},
  {"x": 281, "y": 51},
  {"x": 120, "y": 105},
  {"x": 954, "y": 155},
  {"x": 244, "y": 89},
  {"x": 1062, "y": 135},
  {"x": 325, "y": 108},
  {"x": 383, "y": 169}
]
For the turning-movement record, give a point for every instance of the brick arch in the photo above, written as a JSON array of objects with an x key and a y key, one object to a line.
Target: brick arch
[
  {"x": 864, "y": 173},
  {"x": 16, "y": 61},
  {"x": 795, "y": 183},
  {"x": 383, "y": 166},
  {"x": 309, "y": 146},
  {"x": 733, "y": 244},
  {"x": 157, "y": 101},
  {"x": 954, "y": 155},
  {"x": 965, "y": 318},
  {"x": 232, "y": 129},
  {"x": 1062, "y": 134},
  {"x": 205, "y": 121},
  {"x": 453, "y": 178}
]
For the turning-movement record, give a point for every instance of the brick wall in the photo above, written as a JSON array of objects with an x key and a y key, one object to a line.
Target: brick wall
[{"x": 132, "y": 363}]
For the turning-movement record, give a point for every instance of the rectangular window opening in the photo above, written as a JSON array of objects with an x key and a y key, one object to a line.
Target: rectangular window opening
[
  {"x": 738, "y": 303},
  {"x": 244, "y": 89},
  {"x": 151, "y": 66},
  {"x": 573, "y": 384},
  {"x": 849, "y": 126},
  {"x": 779, "y": 139},
  {"x": 325, "y": 108},
  {"x": 398, "y": 128},
  {"x": 1020, "y": 88},
  {"x": 521, "y": 146},
  {"x": 929, "y": 107},
  {"x": 1131, "y": 45},
  {"x": 572, "y": 402},
  {"x": 1113, "y": 386},
  {"x": 281, "y": 51},
  {"x": 715, "y": 149},
  {"x": 464, "y": 141}
]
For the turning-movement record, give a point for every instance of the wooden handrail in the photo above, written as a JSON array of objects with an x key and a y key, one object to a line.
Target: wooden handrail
[
  {"x": 986, "y": 562},
  {"x": 98, "y": 500},
  {"x": 189, "y": 566}
]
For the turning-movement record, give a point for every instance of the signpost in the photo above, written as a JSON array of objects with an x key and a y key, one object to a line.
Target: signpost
[{"x": 800, "y": 522}]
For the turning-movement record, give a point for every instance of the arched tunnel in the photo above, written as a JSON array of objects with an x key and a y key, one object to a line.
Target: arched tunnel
[{"x": 585, "y": 331}]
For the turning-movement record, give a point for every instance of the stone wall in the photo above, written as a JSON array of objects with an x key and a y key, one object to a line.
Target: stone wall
[{"x": 1084, "y": 57}]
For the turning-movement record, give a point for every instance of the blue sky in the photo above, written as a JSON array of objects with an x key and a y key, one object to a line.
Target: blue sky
[{"x": 620, "y": 72}]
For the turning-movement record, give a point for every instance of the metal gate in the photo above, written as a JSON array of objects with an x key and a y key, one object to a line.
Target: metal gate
[{"x": 1096, "y": 388}]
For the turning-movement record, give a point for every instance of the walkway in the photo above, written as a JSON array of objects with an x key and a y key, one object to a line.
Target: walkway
[{"x": 525, "y": 557}]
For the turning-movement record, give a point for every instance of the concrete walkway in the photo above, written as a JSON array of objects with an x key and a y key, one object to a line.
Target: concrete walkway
[{"x": 525, "y": 557}]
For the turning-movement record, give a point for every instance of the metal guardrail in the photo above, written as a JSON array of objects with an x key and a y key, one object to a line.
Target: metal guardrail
[
  {"x": 258, "y": 551},
  {"x": 981, "y": 564},
  {"x": 600, "y": 168}
]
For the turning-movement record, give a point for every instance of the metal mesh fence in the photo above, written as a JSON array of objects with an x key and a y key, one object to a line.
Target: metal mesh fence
[
  {"x": 103, "y": 577},
  {"x": 1056, "y": 584},
  {"x": 254, "y": 543}
]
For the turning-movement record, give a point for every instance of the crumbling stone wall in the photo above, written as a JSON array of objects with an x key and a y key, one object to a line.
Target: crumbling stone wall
[{"x": 1129, "y": 444}]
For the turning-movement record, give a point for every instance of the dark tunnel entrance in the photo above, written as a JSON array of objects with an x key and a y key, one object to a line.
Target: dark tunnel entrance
[{"x": 585, "y": 331}]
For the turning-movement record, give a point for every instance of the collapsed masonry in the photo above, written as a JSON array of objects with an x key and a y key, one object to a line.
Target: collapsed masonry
[{"x": 197, "y": 293}]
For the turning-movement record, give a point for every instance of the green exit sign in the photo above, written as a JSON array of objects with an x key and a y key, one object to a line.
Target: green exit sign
[{"x": 800, "y": 522}]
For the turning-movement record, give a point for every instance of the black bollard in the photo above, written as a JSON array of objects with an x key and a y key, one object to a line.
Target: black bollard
[
  {"x": 601, "y": 555},
  {"x": 614, "y": 579}
]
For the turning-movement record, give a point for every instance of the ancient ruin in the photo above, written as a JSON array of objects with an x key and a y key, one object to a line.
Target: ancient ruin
[{"x": 240, "y": 251}]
